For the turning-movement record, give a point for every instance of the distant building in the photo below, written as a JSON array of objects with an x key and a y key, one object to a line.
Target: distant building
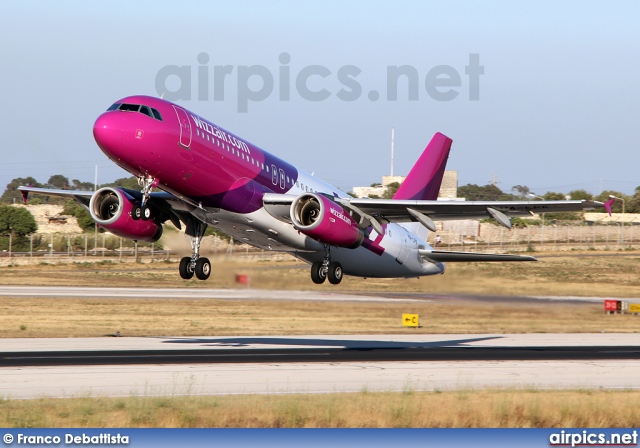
[{"x": 448, "y": 189}]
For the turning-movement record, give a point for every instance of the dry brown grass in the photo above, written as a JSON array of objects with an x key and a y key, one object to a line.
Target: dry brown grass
[
  {"x": 565, "y": 275},
  {"x": 25, "y": 317},
  {"x": 581, "y": 274},
  {"x": 614, "y": 276},
  {"x": 409, "y": 409}
]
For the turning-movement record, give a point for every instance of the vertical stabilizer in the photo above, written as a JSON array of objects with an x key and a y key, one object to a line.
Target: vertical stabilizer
[{"x": 425, "y": 178}]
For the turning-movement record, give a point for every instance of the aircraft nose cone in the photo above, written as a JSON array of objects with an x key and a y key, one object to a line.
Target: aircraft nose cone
[{"x": 107, "y": 134}]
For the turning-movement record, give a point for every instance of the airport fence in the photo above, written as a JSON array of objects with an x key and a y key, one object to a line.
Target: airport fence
[
  {"x": 487, "y": 237},
  {"x": 479, "y": 237},
  {"x": 60, "y": 248}
]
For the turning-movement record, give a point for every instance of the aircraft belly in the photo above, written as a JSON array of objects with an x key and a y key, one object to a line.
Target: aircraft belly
[{"x": 259, "y": 229}]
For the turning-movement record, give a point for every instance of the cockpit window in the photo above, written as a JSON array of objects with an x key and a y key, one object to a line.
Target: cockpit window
[
  {"x": 129, "y": 107},
  {"x": 146, "y": 110}
]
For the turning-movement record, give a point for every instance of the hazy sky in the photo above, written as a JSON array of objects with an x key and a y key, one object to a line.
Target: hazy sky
[{"x": 556, "y": 109}]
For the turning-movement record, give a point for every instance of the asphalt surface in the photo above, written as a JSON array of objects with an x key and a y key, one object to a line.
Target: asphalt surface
[
  {"x": 256, "y": 294},
  {"x": 208, "y": 365},
  {"x": 307, "y": 355}
]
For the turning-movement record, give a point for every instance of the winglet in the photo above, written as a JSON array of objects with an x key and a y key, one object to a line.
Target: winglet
[
  {"x": 25, "y": 194},
  {"x": 425, "y": 178},
  {"x": 608, "y": 205}
]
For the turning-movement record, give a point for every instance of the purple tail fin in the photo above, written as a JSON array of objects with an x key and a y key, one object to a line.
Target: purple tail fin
[{"x": 425, "y": 178}]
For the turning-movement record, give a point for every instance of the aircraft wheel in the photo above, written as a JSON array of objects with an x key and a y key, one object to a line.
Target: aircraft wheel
[
  {"x": 317, "y": 273},
  {"x": 146, "y": 213},
  {"x": 185, "y": 268},
  {"x": 203, "y": 268},
  {"x": 335, "y": 273},
  {"x": 136, "y": 213}
]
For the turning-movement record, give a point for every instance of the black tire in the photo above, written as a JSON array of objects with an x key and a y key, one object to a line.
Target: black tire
[
  {"x": 146, "y": 213},
  {"x": 203, "y": 268},
  {"x": 335, "y": 273},
  {"x": 317, "y": 275},
  {"x": 136, "y": 213},
  {"x": 185, "y": 268}
]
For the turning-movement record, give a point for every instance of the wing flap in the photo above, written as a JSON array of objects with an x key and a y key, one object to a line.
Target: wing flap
[
  {"x": 389, "y": 210},
  {"x": 447, "y": 256}
]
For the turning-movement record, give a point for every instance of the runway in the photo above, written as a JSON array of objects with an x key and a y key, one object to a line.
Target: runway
[
  {"x": 260, "y": 294},
  {"x": 314, "y": 364},
  {"x": 188, "y": 293}
]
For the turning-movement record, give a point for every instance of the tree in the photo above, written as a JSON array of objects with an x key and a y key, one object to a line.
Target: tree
[
  {"x": 392, "y": 188},
  {"x": 553, "y": 196},
  {"x": 17, "y": 222},
  {"x": 523, "y": 190},
  {"x": 85, "y": 186},
  {"x": 12, "y": 194},
  {"x": 616, "y": 207},
  {"x": 633, "y": 206},
  {"x": 473, "y": 192},
  {"x": 579, "y": 195},
  {"x": 85, "y": 221},
  {"x": 59, "y": 181},
  {"x": 124, "y": 182}
]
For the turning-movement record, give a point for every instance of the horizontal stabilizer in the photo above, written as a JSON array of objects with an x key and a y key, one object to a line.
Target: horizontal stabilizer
[{"x": 441, "y": 255}]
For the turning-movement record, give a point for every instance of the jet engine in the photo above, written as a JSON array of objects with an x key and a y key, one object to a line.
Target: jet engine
[
  {"x": 111, "y": 209},
  {"x": 325, "y": 221}
]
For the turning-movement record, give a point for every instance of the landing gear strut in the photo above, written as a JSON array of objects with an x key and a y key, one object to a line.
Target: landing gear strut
[
  {"x": 143, "y": 211},
  {"x": 189, "y": 266},
  {"x": 321, "y": 270}
]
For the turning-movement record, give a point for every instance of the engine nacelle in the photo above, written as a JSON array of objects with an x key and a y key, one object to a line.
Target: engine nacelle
[
  {"x": 111, "y": 209},
  {"x": 325, "y": 221}
]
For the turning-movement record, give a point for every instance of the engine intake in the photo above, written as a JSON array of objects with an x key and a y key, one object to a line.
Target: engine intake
[
  {"x": 325, "y": 221},
  {"x": 111, "y": 209}
]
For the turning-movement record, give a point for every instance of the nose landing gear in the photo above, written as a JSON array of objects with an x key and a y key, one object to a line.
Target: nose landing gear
[{"x": 143, "y": 211}]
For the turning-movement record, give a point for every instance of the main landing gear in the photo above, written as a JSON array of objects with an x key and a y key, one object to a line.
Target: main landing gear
[
  {"x": 143, "y": 211},
  {"x": 321, "y": 270},
  {"x": 194, "y": 264}
]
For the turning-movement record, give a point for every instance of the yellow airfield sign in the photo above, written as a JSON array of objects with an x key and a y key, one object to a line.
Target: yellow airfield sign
[
  {"x": 634, "y": 307},
  {"x": 410, "y": 320}
]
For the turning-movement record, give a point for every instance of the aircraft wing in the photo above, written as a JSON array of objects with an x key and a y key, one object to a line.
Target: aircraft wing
[
  {"x": 376, "y": 211},
  {"x": 166, "y": 202},
  {"x": 83, "y": 197},
  {"x": 440, "y": 255}
]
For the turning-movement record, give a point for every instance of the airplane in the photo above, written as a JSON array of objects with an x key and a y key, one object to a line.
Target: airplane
[{"x": 196, "y": 173}]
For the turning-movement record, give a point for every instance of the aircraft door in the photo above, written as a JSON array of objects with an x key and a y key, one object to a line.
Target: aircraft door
[
  {"x": 185, "y": 126},
  {"x": 283, "y": 179}
]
